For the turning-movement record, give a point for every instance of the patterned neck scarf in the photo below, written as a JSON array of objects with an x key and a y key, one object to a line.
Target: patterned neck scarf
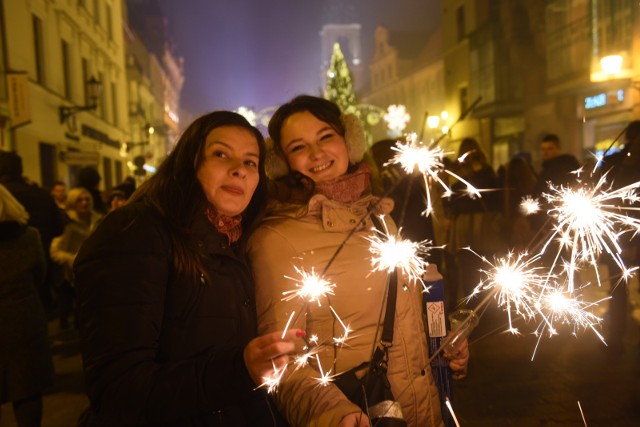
[
  {"x": 347, "y": 188},
  {"x": 231, "y": 226}
]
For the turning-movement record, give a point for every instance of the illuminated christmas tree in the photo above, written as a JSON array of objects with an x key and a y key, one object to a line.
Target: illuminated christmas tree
[{"x": 339, "y": 85}]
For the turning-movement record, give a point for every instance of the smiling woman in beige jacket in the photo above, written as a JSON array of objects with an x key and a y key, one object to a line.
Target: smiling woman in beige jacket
[{"x": 325, "y": 194}]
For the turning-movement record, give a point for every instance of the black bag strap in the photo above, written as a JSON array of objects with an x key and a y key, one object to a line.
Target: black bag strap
[{"x": 392, "y": 292}]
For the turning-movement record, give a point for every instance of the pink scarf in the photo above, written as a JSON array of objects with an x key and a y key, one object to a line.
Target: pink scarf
[
  {"x": 347, "y": 188},
  {"x": 231, "y": 226}
]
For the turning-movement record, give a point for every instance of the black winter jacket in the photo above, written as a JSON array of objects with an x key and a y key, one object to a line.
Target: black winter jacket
[
  {"x": 158, "y": 349},
  {"x": 557, "y": 171}
]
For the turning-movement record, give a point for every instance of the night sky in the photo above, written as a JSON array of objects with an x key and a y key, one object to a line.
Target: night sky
[{"x": 260, "y": 53}]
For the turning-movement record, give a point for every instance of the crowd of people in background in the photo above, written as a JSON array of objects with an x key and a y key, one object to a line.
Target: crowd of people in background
[
  {"x": 494, "y": 224},
  {"x": 42, "y": 232}
]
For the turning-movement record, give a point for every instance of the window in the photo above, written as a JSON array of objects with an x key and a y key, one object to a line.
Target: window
[
  {"x": 85, "y": 79},
  {"x": 118, "y": 166},
  {"x": 114, "y": 104},
  {"x": 66, "y": 69},
  {"x": 102, "y": 103},
  {"x": 460, "y": 24},
  {"x": 463, "y": 98},
  {"x": 107, "y": 177},
  {"x": 96, "y": 12},
  {"x": 38, "y": 48},
  {"x": 47, "y": 155},
  {"x": 109, "y": 22},
  {"x": 3, "y": 70}
]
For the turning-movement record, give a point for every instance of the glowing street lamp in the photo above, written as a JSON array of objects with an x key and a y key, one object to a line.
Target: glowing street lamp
[
  {"x": 435, "y": 122},
  {"x": 611, "y": 64}
]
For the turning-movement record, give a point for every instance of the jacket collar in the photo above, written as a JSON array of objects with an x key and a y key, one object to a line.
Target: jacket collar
[{"x": 209, "y": 239}]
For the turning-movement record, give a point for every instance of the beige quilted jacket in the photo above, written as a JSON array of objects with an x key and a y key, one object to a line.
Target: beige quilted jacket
[{"x": 308, "y": 241}]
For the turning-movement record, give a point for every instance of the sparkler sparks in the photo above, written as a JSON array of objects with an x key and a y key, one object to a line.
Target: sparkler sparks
[
  {"x": 340, "y": 340},
  {"x": 325, "y": 377},
  {"x": 589, "y": 222},
  {"x": 389, "y": 252},
  {"x": 272, "y": 381},
  {"x": 428, "y": 160},
  {"x": 558, "y": 306},
  {"x": 516, "y": 284},
  {"x": 453, "y": 414},
  {"x": 311, "y": 287},
  {"x": 529, "y": 206}
]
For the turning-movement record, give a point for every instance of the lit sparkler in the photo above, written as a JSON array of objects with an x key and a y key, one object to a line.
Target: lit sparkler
[
  {"x": 389, "y": 252},
  {"x": 589, "y": 222},
  {"x": 561, "y": 307},
  {"x": 428, "y": 160},
  {"x": 272, "y": 381},
  {"x": 310, "y": 287},
  {"x": 515, "y": 282}
]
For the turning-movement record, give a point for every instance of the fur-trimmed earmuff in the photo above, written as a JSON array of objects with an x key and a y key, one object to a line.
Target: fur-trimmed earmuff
[{"x": 276, "y": 165}]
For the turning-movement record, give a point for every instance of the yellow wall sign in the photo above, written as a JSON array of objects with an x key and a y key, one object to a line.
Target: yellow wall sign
[{"x": 19, "y": 107}]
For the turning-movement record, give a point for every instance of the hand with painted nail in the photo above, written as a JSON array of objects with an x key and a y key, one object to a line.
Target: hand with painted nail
[{"x": 265, "y": 352}]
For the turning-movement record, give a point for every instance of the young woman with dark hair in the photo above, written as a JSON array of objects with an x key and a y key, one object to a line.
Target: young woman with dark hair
[
  {"x": 317, "y": 157},
  {"x": 167, "y": 312}
]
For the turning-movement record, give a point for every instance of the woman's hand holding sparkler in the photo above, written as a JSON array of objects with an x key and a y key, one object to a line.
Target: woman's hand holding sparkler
[
  {"x": 458, "y": 358},
  {"x": 267, "y": 355}
]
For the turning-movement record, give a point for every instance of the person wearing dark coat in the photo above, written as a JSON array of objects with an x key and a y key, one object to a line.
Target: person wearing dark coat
[
  {"x": 26, "y": 368},
  {"x": 476, "y": 222},
  {"x": 557, "y": 170},
  {"x": 44, "y": 214},
  {"x": 165, "y": 297},
  {"x": 622, "y": 168}
]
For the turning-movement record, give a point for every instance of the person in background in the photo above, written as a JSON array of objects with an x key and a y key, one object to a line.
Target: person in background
[
  {"x": 557, "y": 168},
  {"x": 117, "y": 198},
  {"x": 26, "y": 368},
  {"x": 165, "y": 297},
  {"x": 622, "y": 169},
  {"x": 476, "y": 222},
  {"x": 519, "y": 182},
  {"x": 64, "y": 248},
  {"x": 321, "y": 194},
  {"x": 128, "y": 186},
  {"x": 44, "y": 215},
  {"x": 89, "y": 178},
  {"x": 59, "y": 194}
]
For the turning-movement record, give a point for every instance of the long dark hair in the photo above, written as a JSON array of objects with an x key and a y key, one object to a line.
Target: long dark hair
[
  {"x": 296, "y": 187},
  {"x": 177, "y": 195}
]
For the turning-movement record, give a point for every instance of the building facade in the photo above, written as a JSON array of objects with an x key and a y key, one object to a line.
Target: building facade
[
  {"x": 535, "y": 67},
  {"x": 58, "y": 47},
  {"x": 407, "y": 69},
  {"x": 54, "y": 53}
]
